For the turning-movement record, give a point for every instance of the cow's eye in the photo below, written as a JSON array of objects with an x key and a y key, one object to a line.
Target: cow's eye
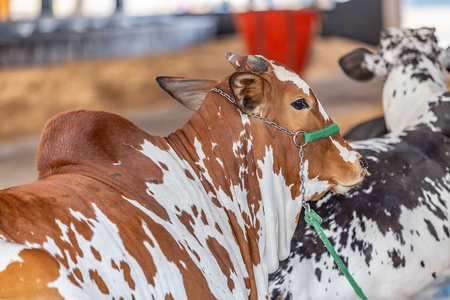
[{"x": 299, "y": 104}]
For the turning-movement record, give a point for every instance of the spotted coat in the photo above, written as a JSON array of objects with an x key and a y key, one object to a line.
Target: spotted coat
[{"x": 393, "y": 232}]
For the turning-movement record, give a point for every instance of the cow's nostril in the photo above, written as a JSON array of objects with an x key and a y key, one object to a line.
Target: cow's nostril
[{"x": 364, "y": 165}]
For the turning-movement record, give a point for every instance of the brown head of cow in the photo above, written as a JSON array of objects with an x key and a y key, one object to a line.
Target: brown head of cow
[{"x": 242, "y": 126}]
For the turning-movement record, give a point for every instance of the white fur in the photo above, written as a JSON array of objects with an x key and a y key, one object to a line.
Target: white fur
[
  {"x": 406, "y": 108},
  {"x": 347, "y": 155},
  {"x": 284, "y": 75},
  {"x": 9, "y": 253}
]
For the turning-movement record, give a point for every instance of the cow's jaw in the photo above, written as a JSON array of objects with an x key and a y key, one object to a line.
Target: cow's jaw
[
  {"x": 281, "y": 210},
  {"x": 342, "y": 189}
]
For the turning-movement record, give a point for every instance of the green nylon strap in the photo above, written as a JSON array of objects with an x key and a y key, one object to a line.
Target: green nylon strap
[
  {"x": 321, "y": 133},
  {"x": 313, "y": 219}
]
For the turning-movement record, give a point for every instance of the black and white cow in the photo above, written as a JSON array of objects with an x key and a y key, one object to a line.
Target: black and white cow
[{"x": 394, "y": 232}]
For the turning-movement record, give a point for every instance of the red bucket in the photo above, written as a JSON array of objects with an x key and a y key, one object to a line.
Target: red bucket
[{"x": 284, "y": 36}]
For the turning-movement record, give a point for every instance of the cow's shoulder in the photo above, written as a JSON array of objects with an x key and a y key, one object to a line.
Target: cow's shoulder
[{"x": 88, "y": 138}]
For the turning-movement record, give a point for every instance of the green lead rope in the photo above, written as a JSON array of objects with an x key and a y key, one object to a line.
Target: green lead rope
[{"x": 313, "y": 219}]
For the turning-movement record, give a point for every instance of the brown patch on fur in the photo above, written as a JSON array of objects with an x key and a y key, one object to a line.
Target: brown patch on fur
[
  {"x": 221, "y": 255},
  {"x": 218, "y": 228},
  {"x": 194, "y": 210},
  {"x": 203, "y": 218},
  {"x": 29, "y": 279},
  {"x": 127, "y": 275},
  {"x": 188, "y": 174},
  {"x": 164, "y": 166},
  {"x": 99, "y": 282},
  {"x": 216, "y": 202},
  {"x": 96, "y": 254},
  {"x": 187, "y": 220},
  {"x": 114, "y": 265},
  {"x": 78, "y": 274}
]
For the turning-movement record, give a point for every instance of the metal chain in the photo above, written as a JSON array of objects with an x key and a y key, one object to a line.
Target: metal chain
[
  {"x": 275, "y": 125},
  {"x": 302, "y": 179}
]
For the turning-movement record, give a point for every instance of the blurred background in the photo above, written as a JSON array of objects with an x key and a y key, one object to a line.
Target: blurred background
[{"x": 58, "y": 55}]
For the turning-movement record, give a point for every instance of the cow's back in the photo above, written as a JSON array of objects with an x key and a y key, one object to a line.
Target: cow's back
[{"x": 75, "y": 214}]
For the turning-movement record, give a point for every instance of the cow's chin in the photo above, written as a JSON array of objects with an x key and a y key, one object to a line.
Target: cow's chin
[
  {"x": 337, "y": 188},
  {"x": 342, "y": 189}
]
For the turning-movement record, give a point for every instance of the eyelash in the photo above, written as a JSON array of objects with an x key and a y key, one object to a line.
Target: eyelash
[{"x": 300, "y": 104}]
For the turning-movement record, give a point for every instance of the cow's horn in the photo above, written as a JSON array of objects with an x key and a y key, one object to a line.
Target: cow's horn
[
  {"x": 256, "y": 64},
  {"x": 231, "y": 57}
]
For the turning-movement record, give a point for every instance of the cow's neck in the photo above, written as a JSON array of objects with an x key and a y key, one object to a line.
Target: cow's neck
[
  {"x": 245, "y": 177},
  {"x": 410, "y": 84}
]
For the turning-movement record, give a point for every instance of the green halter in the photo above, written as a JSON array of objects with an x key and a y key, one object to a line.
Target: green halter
[{"x": 317, "y": 134}]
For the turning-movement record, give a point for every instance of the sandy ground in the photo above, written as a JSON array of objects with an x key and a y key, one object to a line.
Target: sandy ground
[{"x": 30, "y": 96}]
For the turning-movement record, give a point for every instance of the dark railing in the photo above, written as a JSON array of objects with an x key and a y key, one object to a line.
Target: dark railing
[
  {"x": 47, "y": 8},
  {"x": 48, "y": 40},
  {"x": 119, "y": 6}
]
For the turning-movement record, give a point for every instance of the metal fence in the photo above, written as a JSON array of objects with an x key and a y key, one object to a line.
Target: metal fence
[{"x": 49, "y": 40}]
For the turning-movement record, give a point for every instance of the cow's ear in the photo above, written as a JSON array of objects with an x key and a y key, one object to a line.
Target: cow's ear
[
  {"x": 248, "y": 90},
  {"x": 354, "y": 64},
  {"x": 189, "y": 92},
  {"x": 444, "y": 58}
]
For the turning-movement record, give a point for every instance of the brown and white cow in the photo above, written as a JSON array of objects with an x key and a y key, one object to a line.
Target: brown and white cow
[{"x": 205, "y": 213}]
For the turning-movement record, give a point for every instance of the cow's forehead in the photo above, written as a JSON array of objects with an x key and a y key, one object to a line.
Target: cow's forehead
[
  {"x": 285, "y": 75},
  {"x": 397, "y": 40},
  {"x": 421, "y": 34}
]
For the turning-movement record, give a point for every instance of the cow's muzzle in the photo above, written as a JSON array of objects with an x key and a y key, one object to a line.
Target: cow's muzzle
[{"x": 364, "y": 165}]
